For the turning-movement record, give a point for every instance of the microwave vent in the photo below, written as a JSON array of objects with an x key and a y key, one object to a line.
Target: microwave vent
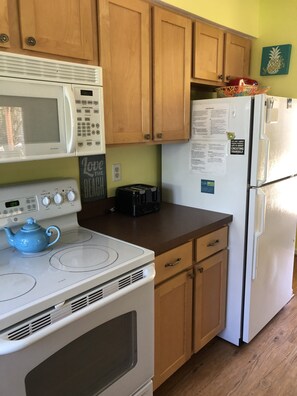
[{"x": 34, "y": 68}]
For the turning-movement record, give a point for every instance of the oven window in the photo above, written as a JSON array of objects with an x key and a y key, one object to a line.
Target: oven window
[{"x": 89, "y": 364}]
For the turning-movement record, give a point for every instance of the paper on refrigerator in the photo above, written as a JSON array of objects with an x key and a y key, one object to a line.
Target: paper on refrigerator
[{"x": 209, "y": 141}]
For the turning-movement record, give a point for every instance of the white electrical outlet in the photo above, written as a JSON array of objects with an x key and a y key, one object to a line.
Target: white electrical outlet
[{"x": 116, "y": 172}]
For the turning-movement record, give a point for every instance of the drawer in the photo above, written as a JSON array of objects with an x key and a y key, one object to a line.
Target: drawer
[
  {"x": 211, "y": 243},
  {"x": 173, "y": 262}
]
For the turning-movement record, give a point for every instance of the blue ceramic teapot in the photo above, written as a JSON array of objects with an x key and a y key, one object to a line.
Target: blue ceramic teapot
[{"x": 31, "y": 238}]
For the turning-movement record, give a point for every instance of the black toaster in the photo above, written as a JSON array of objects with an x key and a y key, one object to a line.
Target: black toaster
[{"x": 137, "y": 199}]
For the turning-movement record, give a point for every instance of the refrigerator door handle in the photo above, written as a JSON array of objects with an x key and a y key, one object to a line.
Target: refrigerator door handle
[
  {"x": 261, "y": 228},
  {"x": 266, "y": 150}
]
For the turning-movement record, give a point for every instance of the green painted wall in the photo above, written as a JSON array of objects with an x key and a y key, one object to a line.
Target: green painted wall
[
  {"x": 138, "y": 164},
  {"x": 277, "y": 26},
  {"x": 34, "y": 170},
  {"x": 239, "y": 15}
]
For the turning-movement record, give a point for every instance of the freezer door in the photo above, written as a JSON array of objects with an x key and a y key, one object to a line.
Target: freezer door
[
  {"x": 270, "y": 253},
  {"x": 274, "y": 143}
]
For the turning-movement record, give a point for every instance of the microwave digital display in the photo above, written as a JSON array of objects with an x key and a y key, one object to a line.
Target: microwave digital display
[
  {"x": 86, "y": 92},
  {"x": 28, "y": 120}
]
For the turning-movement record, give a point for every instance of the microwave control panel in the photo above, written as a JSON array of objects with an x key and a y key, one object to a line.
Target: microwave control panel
[{"x": 90, "y": 137}]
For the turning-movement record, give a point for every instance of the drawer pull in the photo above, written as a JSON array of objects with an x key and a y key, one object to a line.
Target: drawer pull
[
  {"x": 177, "y": 261},
  {"x": 213, "y": 243},
  {"x": 4, "y": 38}
]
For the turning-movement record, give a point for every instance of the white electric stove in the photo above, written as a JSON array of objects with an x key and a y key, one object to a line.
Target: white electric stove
[{"x": 79, "y": 261}]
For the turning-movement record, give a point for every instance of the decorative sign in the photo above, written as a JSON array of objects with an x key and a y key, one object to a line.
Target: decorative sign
[
  {"x": 92, "y": 169},
  {"x": 275, "y": 60},
  {"x": 237, "y": 146}
]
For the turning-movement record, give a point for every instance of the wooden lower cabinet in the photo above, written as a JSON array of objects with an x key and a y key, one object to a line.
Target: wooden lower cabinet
[
  {"x": 173, "y": 330},
  {"x": 190, "y": 300},
  {"x": 209, "y": 300}
]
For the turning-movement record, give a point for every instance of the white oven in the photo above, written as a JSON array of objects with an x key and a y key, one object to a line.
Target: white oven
[{"x": 77, "y": 318}]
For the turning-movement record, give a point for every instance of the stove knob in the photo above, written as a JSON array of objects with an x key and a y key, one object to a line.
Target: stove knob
[
  {"x": 46, "y": 201},
  {"x": 71, "y": 196},
  {"x": 58, "y": 199}
]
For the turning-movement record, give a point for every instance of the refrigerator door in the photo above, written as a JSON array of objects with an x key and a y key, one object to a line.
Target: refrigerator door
[
  {"x": 274, "y": 139},
  {"x": 270, "y": 253},
  {"x": 221, "y": 189}
]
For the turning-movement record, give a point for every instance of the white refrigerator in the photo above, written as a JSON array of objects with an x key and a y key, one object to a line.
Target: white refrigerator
[{"x": 242, "y": 159}]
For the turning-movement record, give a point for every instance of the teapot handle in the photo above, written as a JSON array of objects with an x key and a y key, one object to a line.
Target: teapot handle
[{"x": 48, "y": 232}]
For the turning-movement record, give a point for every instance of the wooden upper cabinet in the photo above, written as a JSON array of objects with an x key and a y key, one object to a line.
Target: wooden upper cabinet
[
  {"x": 57, "y": 27},
  {"x": 208, "y": 52},
  {"x": 218, "y": 55},
  {"x": 237, "y": 56},
  {"x": 4, "y": 25},
  {"x": 125, "y": 58},
  {"x": 171, "y": 75}
]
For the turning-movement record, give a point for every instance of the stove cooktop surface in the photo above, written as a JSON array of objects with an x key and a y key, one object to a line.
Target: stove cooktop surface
[{"x": 80, "y": 260}]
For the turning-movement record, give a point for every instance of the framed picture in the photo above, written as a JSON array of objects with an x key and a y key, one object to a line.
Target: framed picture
[{"x": 275, "y": 60}]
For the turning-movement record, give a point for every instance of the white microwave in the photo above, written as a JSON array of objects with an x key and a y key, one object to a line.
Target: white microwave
[{"x": 49, "y": 109}]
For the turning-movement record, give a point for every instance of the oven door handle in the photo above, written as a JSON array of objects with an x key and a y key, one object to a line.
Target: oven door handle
[{"x": 9, "y": 346}]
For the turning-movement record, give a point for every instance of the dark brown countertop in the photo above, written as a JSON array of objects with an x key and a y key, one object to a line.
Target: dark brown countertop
[{"x": 172, "y": 226}]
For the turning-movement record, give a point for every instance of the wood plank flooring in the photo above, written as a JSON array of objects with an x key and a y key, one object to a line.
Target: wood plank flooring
[{"x": 265, "y": 366}]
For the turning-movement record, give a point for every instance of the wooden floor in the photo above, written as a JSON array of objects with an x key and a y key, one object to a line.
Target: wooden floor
[{"x": 265, "y": 366}]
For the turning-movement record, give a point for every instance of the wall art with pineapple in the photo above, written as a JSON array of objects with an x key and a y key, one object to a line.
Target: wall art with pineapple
[{"x": 275, "y": 60}]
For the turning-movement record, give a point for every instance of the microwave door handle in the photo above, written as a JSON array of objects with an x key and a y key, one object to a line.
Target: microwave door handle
[{"x": 71, "y": 140}]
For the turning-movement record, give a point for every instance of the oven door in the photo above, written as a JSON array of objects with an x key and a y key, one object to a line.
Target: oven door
[{"x": 103, "y": 347}]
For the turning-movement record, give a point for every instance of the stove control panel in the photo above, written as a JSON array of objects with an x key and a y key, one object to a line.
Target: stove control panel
[{"x": 40, "y": 200}]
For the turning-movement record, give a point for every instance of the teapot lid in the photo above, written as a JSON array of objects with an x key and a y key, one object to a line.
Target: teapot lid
[{"x": 30, "y": 225}]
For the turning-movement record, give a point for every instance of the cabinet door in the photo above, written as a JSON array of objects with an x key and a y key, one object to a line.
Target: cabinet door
[
  {"x": 172, "y": 73},
  {"x": 208, "y": 51},
  {"x": 173, "y": 322},
  {"x": 125, "y": 58},
  {"x": 57, "y": 27},
  {"x": 4, "y": 24},
  {"x": 209, "y": 299},
  {"x": 237, "y": 56}
]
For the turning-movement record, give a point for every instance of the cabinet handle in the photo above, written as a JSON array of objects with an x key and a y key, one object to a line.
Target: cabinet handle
[
  {"x": 220, "y": 77},
  {"x": 213, "y": 243},
  {"x": 190, "y": 275},
  {"x": 228, "y": 78},
  {"x": 4, "y": 38},
  {"x": 159, "y": 135},
  {"x": 172, "y": 264},
  {"x": 147, "y": 136},
  {"x": 30, "y": 41},
  {"x": 200, "y": 269}
]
